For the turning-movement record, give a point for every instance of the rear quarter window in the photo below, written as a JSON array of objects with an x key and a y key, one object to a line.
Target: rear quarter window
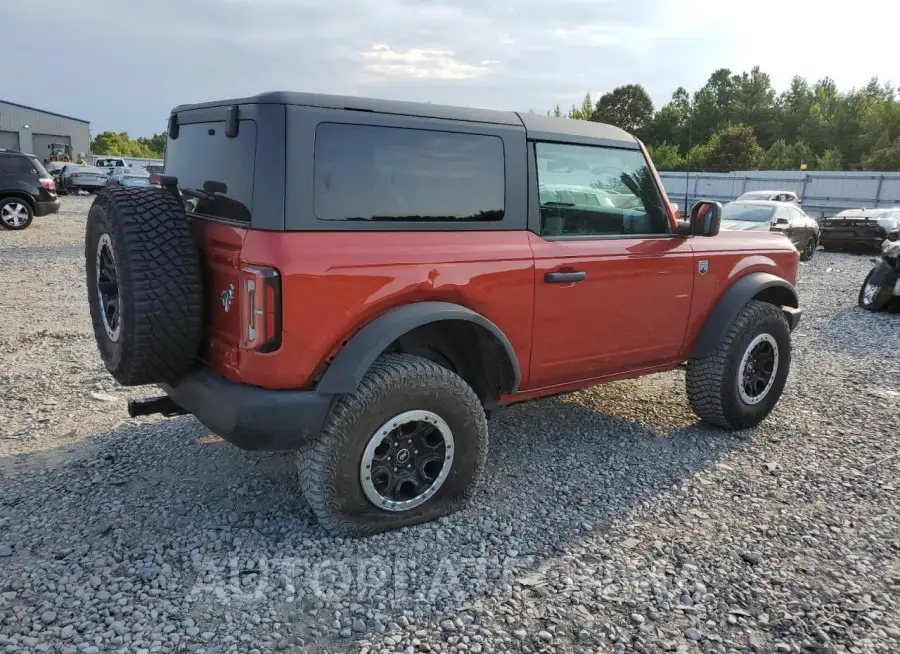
[
  {"x": 215, "y": 173},
  {"x": 374, "y": 173}
]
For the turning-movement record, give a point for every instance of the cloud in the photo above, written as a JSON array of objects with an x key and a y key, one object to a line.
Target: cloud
[
  {"x": 506, "y": 54},
  {"x": 417, "y": 63}
]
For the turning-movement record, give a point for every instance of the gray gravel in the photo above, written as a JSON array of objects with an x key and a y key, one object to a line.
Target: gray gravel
[{"x": 610, "y": 520}]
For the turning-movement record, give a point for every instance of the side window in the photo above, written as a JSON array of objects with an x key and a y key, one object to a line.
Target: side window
[
  {"x": 782, "y": 213},
  {"x": 597, "y": 191},
  {"x": 365, "y": 172},
  {"x": 12, "y": 165}
]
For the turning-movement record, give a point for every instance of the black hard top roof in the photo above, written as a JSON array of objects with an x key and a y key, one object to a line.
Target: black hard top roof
[{"x": 540, "y": 127}]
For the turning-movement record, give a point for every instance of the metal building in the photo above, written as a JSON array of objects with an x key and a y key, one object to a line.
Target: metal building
[{"x": 31, "y": 130}]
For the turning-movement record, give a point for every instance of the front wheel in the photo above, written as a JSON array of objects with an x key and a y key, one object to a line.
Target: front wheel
[
  {"x": 873, "y": 297},
  {"x": 406, "y": 448},
  {"x": 738, "y": 385},
  {"x": 809, "y": 249}
]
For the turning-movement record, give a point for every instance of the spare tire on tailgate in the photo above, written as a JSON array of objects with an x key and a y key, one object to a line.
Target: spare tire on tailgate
[{"x": 144, "y": 285}]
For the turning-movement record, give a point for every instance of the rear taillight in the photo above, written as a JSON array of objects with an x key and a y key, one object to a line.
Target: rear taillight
[
  {"x": 47, "y": 183},
  {"x": 154, "y": 179},
  {"x": 260, "y": 308}
]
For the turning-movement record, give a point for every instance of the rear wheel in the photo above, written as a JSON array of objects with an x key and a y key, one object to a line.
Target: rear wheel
[
  {"x": 407, "y": 447},
  {"x": 15, "y": 213},
  {"x": 144, "y": 286},
  {"x": 738, "y": 385},
  {"x": 873, "y": 297}
]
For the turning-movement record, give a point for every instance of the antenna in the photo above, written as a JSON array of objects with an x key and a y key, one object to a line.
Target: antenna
[{"x": 687, "y": 177}]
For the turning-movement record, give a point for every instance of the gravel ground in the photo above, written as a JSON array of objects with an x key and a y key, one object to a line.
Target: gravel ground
[{"x": 610, "y": 520}]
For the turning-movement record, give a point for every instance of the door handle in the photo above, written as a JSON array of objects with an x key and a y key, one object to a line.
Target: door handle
[{"x": 564, "y": 277}]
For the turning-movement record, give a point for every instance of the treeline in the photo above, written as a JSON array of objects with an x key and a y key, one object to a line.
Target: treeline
[
  {"x": 739, "y": 122},
  {"x": 119, "y": 143}
]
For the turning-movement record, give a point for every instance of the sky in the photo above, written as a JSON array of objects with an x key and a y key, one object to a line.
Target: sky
[{"x": 123, "y": 64}]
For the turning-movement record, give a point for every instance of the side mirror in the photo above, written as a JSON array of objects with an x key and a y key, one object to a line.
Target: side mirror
[{"x": 706, "y": 217}]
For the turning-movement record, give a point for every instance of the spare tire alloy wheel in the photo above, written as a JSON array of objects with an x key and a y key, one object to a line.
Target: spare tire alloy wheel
[
  {"x": 108, "y": 288},
  {"x": 144, "y": 285},
  {"x": 407, "y": 460},
  {"x": 15, "y": 213}
]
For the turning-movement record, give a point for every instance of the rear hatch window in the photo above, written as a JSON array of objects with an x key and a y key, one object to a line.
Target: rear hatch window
[{"x": 215, "y": 172}]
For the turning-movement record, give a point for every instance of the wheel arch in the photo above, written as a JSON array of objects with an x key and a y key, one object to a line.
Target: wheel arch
[
  {"x": 761, "y": 286},
  {"x": 21, "y": 195},
  {"x": 488, "y": 361}
]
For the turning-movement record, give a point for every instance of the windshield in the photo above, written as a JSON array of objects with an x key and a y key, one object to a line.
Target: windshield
[
  {"x": 755, "y": 213},
  {"x": 755, "y": 196}
]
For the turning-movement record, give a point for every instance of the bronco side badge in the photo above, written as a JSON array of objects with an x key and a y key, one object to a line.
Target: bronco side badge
[
  {"x": 227, "y": 297},
  {"x": 703, "y": 267}
]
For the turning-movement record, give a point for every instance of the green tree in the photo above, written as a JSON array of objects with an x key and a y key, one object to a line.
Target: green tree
[
  {"x": 119, "y": 143},
  {"x": 666, "y": 157},
  {"x": 779, "y": 157},
  {"x": 156, "y": 143},
  {"x": 829, "y": 160},
  {"x": 734, "y": 148},
  {"x": 628, "y": 107},
  {"x": 884, "y": 159},
  {"x": 817, "y": 123}
]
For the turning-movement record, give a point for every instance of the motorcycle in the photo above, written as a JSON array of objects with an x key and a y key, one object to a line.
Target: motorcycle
[{"x": 882, "y": 285}]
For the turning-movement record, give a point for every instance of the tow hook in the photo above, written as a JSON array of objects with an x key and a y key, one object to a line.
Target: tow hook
[{"x": 152, "y": 405}]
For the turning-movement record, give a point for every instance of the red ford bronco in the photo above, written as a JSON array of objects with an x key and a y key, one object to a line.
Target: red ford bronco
[{"x": 364, "y": 281}]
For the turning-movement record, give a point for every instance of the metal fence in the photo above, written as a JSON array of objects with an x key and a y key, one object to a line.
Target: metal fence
[{"x": 822, "y": 193}]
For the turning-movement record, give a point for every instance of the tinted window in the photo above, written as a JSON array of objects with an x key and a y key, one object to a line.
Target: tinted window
[
  {"x": 594, "y": 191},
  {"x": 12, "y": 165},
  {"x": 386, "y": 173},
  {"x": 215, "y": 173}
]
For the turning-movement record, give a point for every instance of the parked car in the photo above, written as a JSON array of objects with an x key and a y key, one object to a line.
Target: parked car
[
  {"x": 775, "y": 216},
  {"x": 774, "y": 196},
  {"x": 26, "y": 190},
  {"x": 399, "y": 279},
  {"x": 55, "y": 168},
  {"x": 111, "y": 162},
  {"x": 80, "y": 177},
  {"x": 130, "y": 177},
  {"x": 860, "y": 229}
]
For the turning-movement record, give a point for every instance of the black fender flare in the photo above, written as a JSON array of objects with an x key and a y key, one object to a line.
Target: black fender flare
[
  {"x": 356, "y": 357},
  {"x": 770, "y": 287}
]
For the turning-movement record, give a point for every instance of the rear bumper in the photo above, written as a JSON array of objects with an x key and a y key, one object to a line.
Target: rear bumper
[
  {"x": 46, "y": 208},
  {"x": 851, "y": 242},
  {"x": 249, "y": 417}
]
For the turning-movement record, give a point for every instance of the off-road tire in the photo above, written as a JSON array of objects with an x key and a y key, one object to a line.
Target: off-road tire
[
  {"x": 882, "y": 298},
  {"x": 809, "y": 249},
  {"x": 329, "y": 468},
  {"x": 160, "y": 284},
  {"x": 712, "y": 381},
  {"x": 28, "y": 209}
]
